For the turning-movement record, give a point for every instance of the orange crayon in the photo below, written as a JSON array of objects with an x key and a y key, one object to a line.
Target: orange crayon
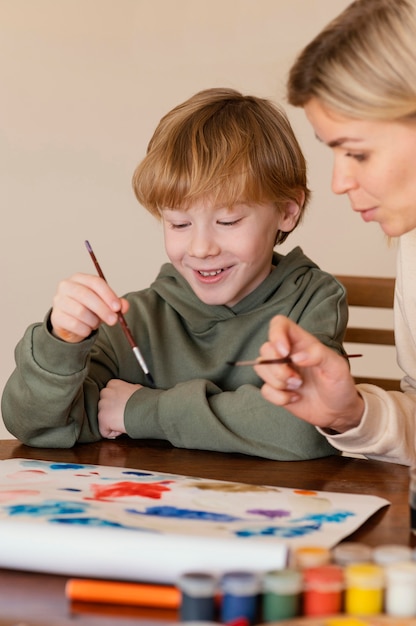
[{"x": 114, "y": 592}]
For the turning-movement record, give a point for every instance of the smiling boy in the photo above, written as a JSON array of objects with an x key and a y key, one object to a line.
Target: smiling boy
[{"x": 226, "y": 176}]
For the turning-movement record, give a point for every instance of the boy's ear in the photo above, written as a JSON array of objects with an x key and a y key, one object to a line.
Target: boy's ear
[{"x": 291, "y": 213}]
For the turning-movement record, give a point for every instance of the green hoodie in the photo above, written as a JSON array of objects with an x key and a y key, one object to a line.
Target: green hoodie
[{"x": 199, "y": 401}]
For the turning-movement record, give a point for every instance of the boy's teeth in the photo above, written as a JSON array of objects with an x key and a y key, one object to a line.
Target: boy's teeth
[{"x": 214, "y": 273}]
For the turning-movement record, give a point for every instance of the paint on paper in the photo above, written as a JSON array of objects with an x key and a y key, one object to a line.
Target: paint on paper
[{"x": 67, "y": 494}]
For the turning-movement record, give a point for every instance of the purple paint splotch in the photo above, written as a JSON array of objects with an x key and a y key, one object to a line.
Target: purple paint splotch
[{"x": 270, "y": 513}]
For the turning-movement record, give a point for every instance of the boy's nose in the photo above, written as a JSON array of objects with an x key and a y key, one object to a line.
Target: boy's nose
[{"x": 202, "y": 245}]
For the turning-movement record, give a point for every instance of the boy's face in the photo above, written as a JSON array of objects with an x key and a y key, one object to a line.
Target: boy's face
[{"x": 223, "y": 253}]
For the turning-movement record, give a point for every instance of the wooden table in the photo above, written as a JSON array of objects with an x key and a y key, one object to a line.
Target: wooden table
[{"x": 28, "y": 598}]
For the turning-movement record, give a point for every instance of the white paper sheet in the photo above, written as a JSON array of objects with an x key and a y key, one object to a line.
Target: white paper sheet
[{"x": 120, "y": 523}]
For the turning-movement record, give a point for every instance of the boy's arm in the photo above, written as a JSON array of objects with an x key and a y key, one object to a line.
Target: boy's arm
[
  {"x": 197, "y": 414},
  {"x": 48, "y": 400}
]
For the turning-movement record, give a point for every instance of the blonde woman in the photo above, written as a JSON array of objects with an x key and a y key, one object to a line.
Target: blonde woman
[{"x": 356, "y": 82}]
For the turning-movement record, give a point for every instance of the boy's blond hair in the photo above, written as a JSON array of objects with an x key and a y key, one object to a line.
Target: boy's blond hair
[
  {"x": 363, "y": 63},
  {"x": 224, "y": 146}
]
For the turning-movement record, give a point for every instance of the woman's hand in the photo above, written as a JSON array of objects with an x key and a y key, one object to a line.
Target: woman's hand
[{"x": 316, "y": 386}]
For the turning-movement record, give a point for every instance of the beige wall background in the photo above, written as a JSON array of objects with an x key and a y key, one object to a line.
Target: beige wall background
[{"x": 83, "y": 85}]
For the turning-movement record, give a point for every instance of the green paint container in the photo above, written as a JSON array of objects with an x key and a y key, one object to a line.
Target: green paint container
[{"x": 282, "y": 591}]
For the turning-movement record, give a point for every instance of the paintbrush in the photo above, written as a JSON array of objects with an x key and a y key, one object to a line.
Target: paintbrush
[
  {"x": 123, "y": 323},
  {"x": 285, "y": 359}
]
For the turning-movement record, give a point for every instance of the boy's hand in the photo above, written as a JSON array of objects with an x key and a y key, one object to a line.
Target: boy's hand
[
  {"x": 81, "y": 304},
  {"x": 317, "y": 386},
  {"x": 111, "y": 405}
]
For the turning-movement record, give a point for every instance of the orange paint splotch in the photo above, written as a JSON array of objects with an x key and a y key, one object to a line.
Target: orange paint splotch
[{"x": 305, "y": 492}]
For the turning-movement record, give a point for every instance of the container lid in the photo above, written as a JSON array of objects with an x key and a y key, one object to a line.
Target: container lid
[
  {"x": 198, "y": 584},
  {"x": 311, "y": 556},
  {"x": 391, "y": 553},
  {"x": 240, "y": 583},
  {"x": 284, "y": 581},
  {"x": 401, "y": 573},
  {"x": 352, "y": 552},
  {"x": 324, "y": 578},
  {"x": 367, "y": 575}
]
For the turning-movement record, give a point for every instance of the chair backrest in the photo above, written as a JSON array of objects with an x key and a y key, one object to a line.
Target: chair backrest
[{"x": 370, "y": 292}]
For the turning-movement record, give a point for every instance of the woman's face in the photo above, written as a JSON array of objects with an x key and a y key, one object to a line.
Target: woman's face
[{"x": 374, "y": 163}]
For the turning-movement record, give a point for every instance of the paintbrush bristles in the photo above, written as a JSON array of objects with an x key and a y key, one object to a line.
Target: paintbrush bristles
[{"x": 123, "y": 322}]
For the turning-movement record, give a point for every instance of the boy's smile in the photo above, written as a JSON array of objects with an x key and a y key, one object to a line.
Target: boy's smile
[{"x": 224, "y": 253}]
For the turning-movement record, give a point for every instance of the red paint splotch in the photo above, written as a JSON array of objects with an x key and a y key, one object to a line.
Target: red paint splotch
[{"x": 125, "y": 489}]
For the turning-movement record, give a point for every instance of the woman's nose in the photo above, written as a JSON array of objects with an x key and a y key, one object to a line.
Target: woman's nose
[{"x": 343, "y": 179}]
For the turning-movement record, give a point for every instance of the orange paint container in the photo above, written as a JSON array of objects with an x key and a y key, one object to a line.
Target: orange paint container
[{"x": 323, "y": 588}]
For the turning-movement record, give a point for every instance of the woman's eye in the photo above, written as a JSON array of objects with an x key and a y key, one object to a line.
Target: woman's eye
[{"x": 357, "y": 156}]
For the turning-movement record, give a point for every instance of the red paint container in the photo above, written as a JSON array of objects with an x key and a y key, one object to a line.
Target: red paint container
[{"x": 323, "y": 587}]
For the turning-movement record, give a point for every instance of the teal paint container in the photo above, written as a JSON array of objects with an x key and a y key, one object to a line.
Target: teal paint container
[{"x": 282, "y": 592}]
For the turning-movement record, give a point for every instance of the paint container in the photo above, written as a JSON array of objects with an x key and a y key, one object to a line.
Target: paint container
[
  {"x": 364, "y": 586},
  {"x": 412, "y": 498},
  {"x": 323, "y": 587},
  {"x": 198, "y": 597},
  {"x": 391, "y": 553},
  {"x": 351, "y": 552},
  {"x": 400, "y": 594},
  {"x": 282, "y": 591},
  {"x": 240, "y": 592},
  {"x": 310, "y": 556}
]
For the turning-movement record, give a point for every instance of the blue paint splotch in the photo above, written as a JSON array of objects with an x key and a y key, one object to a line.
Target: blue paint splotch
[
  {"x": 96, "y": 522},
  {"x": 67, "y": 466},
  {"x": 136, "y": 473},
  {"x": 175, "y": 512},
  {"x": 298, "y": 527},
  {"x": 48, "y": 508},
  {"x": 334, "y": 517},
  {"x": 283, "y": 532},
  {"x": 57, "y": 466}
]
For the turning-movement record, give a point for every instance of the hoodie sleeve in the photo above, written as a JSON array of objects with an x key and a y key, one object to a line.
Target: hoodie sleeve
[
  {"x": 49, "y": 399},
  {"x": 197, "y": 414}
]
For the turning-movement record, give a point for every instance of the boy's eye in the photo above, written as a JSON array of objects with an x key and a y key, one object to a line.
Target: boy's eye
[
  {"x": 229, "y": 222},
  {"x": 179, "y": 226}
]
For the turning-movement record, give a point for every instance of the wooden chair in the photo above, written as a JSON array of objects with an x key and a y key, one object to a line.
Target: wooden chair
[{"x": 374, "y": 292}]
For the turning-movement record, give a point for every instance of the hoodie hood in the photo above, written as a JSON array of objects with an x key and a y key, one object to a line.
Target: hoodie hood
[{"x": 284, "y": 283}]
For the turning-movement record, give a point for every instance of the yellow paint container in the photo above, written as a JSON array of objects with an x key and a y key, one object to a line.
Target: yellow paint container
[{"x": 364, "y": 587}]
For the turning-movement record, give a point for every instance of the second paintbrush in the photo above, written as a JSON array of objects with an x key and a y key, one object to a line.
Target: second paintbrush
[
  {"x": 123, "y": 323},
  {"x": 285, "y": 359}
]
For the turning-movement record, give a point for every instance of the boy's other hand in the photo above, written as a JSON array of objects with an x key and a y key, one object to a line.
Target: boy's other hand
[{"x": 111, "y": 405}]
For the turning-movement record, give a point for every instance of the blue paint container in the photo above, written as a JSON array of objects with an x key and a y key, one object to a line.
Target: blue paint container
[
  {"x": 198, "y": 591},
  {"x": 240, "y": 591}
]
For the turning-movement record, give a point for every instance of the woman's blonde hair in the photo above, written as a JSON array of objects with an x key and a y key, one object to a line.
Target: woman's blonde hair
[
  {"x": 224, "y": 146},
  {"x": 363, "y": 64}
]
